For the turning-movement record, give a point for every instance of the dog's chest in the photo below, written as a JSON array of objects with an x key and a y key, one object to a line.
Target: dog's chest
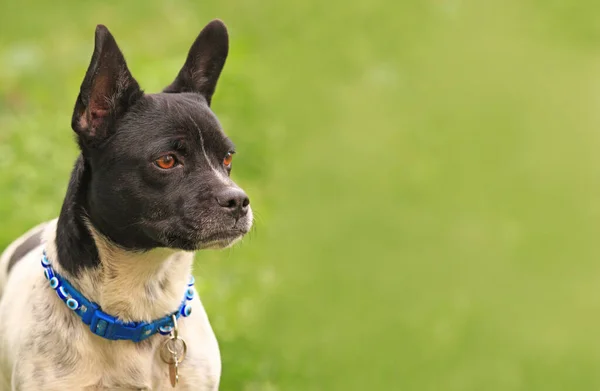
[
  {"x": 44, "y": 346},
  {"x": 47, "y": 348},
  {"x": 116, "y": 367},
  {"x": 140, "y": 373}
]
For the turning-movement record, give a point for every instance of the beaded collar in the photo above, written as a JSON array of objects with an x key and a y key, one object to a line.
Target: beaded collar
[{"x": 105, "y": 325}]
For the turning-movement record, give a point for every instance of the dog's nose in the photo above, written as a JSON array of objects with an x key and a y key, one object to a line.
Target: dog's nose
[{"x": 234, "y": 200}]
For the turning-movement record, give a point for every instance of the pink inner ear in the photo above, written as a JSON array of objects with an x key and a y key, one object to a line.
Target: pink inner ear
[
  {"x": 97, "y": 116},
  {"x": 99, "y": 99},
  {"x": 83, "y": 123},
  {"x": 98, "y": 113}
]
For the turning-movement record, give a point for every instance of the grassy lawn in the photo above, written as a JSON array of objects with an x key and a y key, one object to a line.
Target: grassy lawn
[{"x": 425, "y": 176}]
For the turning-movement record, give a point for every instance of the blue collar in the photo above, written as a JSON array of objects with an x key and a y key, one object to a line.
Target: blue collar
[{"x": 105, "y": 325}]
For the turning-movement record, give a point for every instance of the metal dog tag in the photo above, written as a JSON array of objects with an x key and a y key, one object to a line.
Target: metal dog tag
[
  {"x": 174, "y": 372},
  {"x": 173, "y": 352},
  {"x": 173, "y": 348}
]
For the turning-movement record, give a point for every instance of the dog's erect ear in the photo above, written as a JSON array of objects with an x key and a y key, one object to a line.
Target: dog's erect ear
[
  {"x": 107, "y": 91},
  {"x": 204, "y": 62}
]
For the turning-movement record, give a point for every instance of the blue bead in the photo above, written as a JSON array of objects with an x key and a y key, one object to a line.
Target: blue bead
[
  {"x": 192, "y": 281},
  {"x": 54, "y": 283},
  {"x": 62, "y": 293},
  {"x": 164, "y": 330},
  {"x": 45, "y": 261},
  {"x": 72, "y": 304},
  {"x": 186, "y": 311},
  {"x": 189, "y": 294}
]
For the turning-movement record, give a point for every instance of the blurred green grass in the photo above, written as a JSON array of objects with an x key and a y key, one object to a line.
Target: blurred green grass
[{"x": 425, "y": 177}]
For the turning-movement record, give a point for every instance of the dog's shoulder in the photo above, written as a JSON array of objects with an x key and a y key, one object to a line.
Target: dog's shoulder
[
  {"x": 16, "y": 304},
  {"x": 21, "y": 247}
]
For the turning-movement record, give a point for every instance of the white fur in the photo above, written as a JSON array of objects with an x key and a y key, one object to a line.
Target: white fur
[
  {"x": 219, "y": 174},
  {"x": 120, "y": 286},
  {"x": 6, "y": 255}
]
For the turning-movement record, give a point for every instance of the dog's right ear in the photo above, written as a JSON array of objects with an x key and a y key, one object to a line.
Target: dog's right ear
[{"x": 106, "y": 93}]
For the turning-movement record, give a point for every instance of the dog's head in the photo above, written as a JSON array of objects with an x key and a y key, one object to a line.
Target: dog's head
[{"x": 159, "y": 163}]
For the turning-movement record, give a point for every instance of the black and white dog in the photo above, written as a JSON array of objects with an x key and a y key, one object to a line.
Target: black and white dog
[{"x": 89, "y": 301}]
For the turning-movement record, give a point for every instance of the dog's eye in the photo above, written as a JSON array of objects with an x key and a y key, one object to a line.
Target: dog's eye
[
  {"x": 228, "y": 159},
  {"x": 166, "y": 161}
]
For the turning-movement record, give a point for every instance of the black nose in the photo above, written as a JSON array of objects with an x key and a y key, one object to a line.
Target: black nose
[{"x": 234, "y": 200}]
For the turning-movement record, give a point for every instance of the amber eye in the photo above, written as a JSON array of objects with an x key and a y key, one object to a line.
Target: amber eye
[
  {"x": 166, "y": 162},
  {"x": 228, "y": 159}
]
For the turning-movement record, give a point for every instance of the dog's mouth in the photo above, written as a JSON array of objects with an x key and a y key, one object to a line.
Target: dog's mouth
[
  {"x": 191, "y": 235},
  {"x": 225, "y": 236}
]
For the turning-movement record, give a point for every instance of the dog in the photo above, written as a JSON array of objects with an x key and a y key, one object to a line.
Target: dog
[{"x": 150, "y": 187}]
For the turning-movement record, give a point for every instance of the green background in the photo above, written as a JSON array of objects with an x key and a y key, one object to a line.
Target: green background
[{"x": 425, "y": 178}]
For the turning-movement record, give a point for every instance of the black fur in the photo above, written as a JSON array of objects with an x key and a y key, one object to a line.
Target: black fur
[
  {"x": 116, "y": 185},
  {"x": 74, "y": 243}
]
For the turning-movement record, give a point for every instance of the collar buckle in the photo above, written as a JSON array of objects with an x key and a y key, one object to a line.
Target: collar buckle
[{"x": 109, "y": 327}]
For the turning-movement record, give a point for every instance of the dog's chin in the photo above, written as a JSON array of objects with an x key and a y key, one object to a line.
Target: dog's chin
[
  {"x": 219, "y": 244},
  {"x": 196, "y": 241},
  {"x": 220, "y": 240},
  {"x": 211, "y": 238}
]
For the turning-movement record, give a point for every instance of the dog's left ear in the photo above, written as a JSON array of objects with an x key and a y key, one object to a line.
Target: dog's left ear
[
  {"x": 204, "y": 63},
  {"x": 106, "y": 93}
]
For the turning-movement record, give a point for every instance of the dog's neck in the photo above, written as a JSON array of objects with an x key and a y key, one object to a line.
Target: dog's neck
[{"x": 133, "y": 286}]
